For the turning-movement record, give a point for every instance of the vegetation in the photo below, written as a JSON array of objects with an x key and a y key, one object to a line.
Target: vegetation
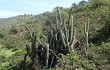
[{"x": 64, "y": 39}]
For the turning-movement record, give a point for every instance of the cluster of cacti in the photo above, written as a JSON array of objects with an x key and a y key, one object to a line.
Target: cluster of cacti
[
  {"x": 38, "y": 54},
  {"x": 61, "y": 39}
]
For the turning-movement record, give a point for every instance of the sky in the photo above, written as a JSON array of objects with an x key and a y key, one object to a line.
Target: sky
[{"x": 9, "y": 8}]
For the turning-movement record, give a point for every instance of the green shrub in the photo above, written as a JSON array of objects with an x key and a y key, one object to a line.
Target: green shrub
[
  {"x": 13, "y": 30},
  {"x": 1, "y": 35}
]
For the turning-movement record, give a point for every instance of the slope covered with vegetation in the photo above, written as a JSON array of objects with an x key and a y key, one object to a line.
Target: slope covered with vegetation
[{"x": 64, "y": 39}]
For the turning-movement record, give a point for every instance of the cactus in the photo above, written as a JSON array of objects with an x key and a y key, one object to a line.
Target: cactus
[
  {"x": 67, "y": 33},
  {"x": 86, "y": 30},
  {"x": 46, "y": 54},
  {"x": 61, "y": 39}
]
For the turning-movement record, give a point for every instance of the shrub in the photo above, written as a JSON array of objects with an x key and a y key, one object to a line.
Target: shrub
[{"x": 1, "y": 35}]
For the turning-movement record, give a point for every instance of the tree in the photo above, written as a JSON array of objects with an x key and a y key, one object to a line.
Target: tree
[
  {"x": 13, "y": 30},
  {"x": 82, "y": 3},
  {"x": 74, "y": 5}
]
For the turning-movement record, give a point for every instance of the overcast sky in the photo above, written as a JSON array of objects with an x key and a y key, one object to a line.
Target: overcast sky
[{"x": 9, "y": 8}]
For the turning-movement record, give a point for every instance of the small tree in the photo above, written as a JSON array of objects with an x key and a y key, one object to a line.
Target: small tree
[
  {"x": 13, "y": 30},
  {"x": 1, "y": 35}
]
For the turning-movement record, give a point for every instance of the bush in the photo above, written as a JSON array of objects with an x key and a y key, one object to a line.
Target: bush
[
  {"x": 13, "y": 30},
  {"x": 1, "y": 35}
]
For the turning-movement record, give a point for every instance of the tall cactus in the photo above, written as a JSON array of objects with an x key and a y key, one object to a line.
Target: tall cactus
[
  {"x": 86, "y": 30},
  {"x": 67, "y": 32},
  {"x": 46, "y": 54}
]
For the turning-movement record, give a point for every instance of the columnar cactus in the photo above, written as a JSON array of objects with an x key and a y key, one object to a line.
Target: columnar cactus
[
  {"x": 61, "y": 39},
  {"x": 86, "y": 30},
  {"x": 67, "y": 32}
]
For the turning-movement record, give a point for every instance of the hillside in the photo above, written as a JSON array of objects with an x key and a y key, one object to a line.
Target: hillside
[
  {"x": 6, "y": 22},
  {"x": 64, "y": 39},
  {"x": 1, "y": 19}
]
